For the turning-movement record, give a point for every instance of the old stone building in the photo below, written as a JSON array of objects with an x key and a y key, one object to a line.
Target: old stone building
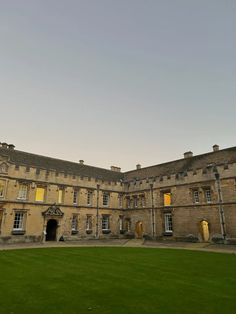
[{"x": 190, "y": 199}]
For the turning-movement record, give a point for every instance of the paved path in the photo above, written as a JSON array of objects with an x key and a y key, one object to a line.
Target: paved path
[{"x": 207, "y": 247}]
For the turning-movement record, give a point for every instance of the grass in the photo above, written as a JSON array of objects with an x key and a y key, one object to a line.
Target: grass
[{"x": 116, "y": 280}]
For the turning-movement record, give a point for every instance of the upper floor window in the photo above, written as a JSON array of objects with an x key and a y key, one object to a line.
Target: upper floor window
[
  {"x": 89, "y": 198},
  {"x": 60, "y": 195},
  {"x": 22, "y": 193},
  {"x": 2, "y": 188},
  {"x": 75, "y": 197},
  {"x": 167, "y": 198},
  {"x": 196, "y": 196},
  {"x": 142, "y": 201},
  {"x": 40, "y": 194},
  {"x": 120, "y": 200},
  {"x": 135, "y": 203},
  {"x": 128, "y": 202},
  {"x": 208, "y": 195},
  {"x": 105, "y": 199},
  {"x": 3, "y": 168}
]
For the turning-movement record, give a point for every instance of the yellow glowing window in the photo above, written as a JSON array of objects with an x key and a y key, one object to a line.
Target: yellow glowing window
[
  {"x": 60, "y": 196},
  {"x": 167, "y": 199},
  {"x": 40, "y": 192}
]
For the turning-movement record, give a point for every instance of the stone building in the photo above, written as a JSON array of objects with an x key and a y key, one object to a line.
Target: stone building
[{"x": 190, "y": 199}]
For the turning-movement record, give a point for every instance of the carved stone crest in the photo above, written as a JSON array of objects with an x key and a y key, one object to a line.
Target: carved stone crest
[{"x": 53, "y": 210}]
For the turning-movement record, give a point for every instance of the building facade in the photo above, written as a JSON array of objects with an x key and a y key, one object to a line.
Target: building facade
[{"x": 47, "y": 199}]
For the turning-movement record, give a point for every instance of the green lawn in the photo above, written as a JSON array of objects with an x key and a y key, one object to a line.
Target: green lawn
[{"x": 116, "y": 280}]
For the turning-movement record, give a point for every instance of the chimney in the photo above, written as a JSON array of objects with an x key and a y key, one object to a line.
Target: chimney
[
  {"x": 216, "y": 148},
  {"x": 116, "y": 169},
  {"x": 188, "y": 154},
  {"x": 81, "y": 161},
  {"x": 4, "y": 145},
  {"x": 138, "y": 166},
  {"x": 11, "y": 146}
]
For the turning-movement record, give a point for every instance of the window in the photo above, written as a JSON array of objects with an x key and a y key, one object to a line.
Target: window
[
  {"x": 75, "y": 197},
  {"x": 105, "y": 199},
  {"x": 3, "y": 168},
  {"x": 128, "y": 225},
  {"x": 2, "y": 188},
  {"x": 120, "y": 200},
  {"x": 18, "y": 221},
  {"x": 89, "y": 222},
  {"x": 208, "y": 195},
  {"x": 121, "y": 221},
  {"x": 168, "y": 223},
  {"x": 22, "y": 194},
  {"x": 40, "y": 194},
  {"x": 142, "y": 201},
  {"x": 89, "y": 198},
  {"x": 196, "y": 196},
  {"x": 128, "y": 202},
  {"x": 60, "y": 195},
  {"x": 105, "y": 222},
  {"x": 74, "y": 223},
  {"x": 167, "y": 198},
  {"x": 135, "y": 201}
]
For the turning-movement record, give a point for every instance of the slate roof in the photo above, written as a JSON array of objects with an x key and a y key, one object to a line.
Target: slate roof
[
  {"x": 32, "y": 160},
  {"x": 221, "y": 157}
]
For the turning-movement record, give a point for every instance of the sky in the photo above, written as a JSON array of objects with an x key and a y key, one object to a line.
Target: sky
[{"x": 118, "y": 82}]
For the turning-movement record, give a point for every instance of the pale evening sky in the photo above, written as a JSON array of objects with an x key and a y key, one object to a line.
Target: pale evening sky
[{"x": 118, "y": 82}]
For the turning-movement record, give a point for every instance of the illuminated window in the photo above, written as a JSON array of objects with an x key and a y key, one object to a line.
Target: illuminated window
[
  {"x": 168, "y": 222},
  {"x": 89, "y": 222},
  {"x": 22, "y": 194},
  {"x": 40, "y": 194},
  {"x": 60, "y": 195},
  {"x": 105, "y": 222},
  {"x": 2, "y": 188},
  {"x": 105, "y": 199},
  {"x": 167, "y": 198},
  {"x": 89, "y": 198},
  {"x": 208, "y": 195},
  {"x": 196, "y": 196}
]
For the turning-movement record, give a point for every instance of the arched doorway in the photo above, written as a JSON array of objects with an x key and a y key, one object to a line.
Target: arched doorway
[
  {"x": 205, "y": 230},
  {"x": 51, "y": 230},
  {"x": 139, "y": 229}
]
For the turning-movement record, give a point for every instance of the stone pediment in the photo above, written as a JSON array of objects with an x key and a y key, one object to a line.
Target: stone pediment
[{"x": 53, "y": 210}]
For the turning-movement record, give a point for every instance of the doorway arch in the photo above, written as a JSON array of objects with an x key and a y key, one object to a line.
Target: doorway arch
[
  {"x": 139, "y": 229},
  {"x": 205, "y": 230},
  {"x": 51, "y": 230}
]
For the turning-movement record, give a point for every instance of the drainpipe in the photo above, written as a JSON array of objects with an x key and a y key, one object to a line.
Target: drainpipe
[
  {"x": 152, "y": 212},
  {"x": 220, "y": 200},
  {"x": 97, "y": 216}
]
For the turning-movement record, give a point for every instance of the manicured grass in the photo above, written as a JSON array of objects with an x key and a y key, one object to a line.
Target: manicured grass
[{"x": 116, "y": 280}]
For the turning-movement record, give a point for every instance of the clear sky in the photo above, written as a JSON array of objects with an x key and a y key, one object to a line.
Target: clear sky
[{"x": 118, "y": 82}]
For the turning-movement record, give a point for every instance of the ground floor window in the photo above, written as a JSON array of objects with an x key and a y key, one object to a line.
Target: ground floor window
[
  {"x": 128, "y": 225},
  {"x": 168, "y": 223},
  {"x": 121, "y": 223},
  {"x": 19, "y": 221},
  {"x": 105, "y": 222},
  {"x": 89, "y": 223},
  {"x": 74, "y": 224}
]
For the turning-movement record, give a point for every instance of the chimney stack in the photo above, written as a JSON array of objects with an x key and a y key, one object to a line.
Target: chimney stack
[
  {"x": 11, "y": 146},
  {"x": 138, "y": 166},
  {"x": 81, "y": 161},
  {"x": 116, "y": 169},
  {"x": 216, "y": 148},
  {"x": 188, "y": 154},
  {"x": 4, "y": 145}
]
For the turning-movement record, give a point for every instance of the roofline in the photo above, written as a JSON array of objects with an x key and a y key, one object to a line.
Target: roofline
[{"x": 169, "y": 162}]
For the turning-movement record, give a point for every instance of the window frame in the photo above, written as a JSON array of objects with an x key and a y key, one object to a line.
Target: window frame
[
  {"x": 105, "y": 222},
  {"x": 168, "y": 223},
  {"x": 105, "y": 199},
  {"x": 207, "y": 198},
  {"x": 2, "y": 195},
  {"x": 44, "y": 194},
  {"x": 23, "y": 194}
]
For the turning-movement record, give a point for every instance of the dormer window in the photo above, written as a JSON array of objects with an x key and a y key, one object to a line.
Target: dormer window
[{"x": 3, "y": 168}]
